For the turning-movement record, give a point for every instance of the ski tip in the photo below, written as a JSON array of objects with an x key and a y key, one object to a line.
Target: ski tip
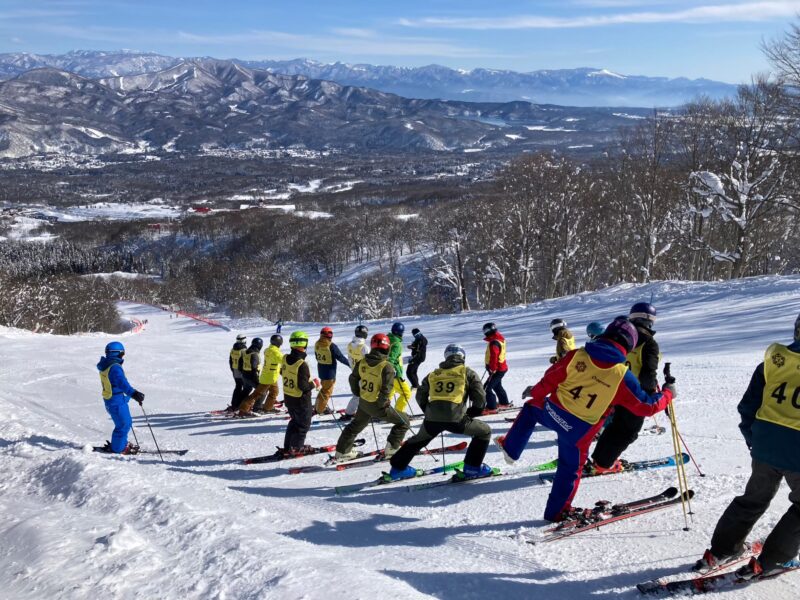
[{"x": 670, "y": 492}]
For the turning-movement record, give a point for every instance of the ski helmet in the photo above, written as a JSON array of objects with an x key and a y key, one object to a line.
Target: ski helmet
[
  {"x": 623, "y": 332},
  {"x": 326, "y": 332},
  {"x": 115, "y": 349},
  {"x": 415, "y": 331},
  {"x": 453, "y": 349},
  {"x": 380, "y": 341},
  {"x": 299, "y": 339},
  {"x": 241, "y": 337},
  {"x": 489, "y": 329},
  {"x": 557, "y": 324},
  {"x": 276, "y": 340},
  {"x": 362, "y": 331},
  {"x": 594, "y": 329},
  {"x": 643, "y": 313},
  {"x": 398, "y": 328},
  {"x": 257, "y": 343}
]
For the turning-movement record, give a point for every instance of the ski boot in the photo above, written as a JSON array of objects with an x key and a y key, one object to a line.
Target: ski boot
[
  {"x": 341, "y": 457},
  {"x": 755, "y": 570},
  {"x": 592, "y": 468},
  {"x": 345, "y": 418},
  {"x": 390, "y": 451},
  {"x": 711, "y": 561},
  {"x": 472, "y": 472},
  {"x": 499, "y": 441},
  {"x": 398, "y": 474}
]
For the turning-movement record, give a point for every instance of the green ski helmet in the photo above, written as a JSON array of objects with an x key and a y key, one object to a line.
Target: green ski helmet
[{"x": 299, "y": 339}]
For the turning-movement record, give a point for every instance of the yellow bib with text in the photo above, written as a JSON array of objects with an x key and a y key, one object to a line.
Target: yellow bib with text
[
  {"x": 448, "y": 385},
  {"x": 370, "y": 380},
  {"x": 781, "y": 400},
  {"x": 324, "y": 354},
  {"x": 355, "y": 352},
  {"x": 588, "y": 390},
  {"x": 247, "y": 365},
  {"x": 290, "y": 375},
  {"x": 236, "y": 356}
]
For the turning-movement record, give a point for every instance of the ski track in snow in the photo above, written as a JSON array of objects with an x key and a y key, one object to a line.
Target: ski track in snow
[{"x": 77, "y": 524}]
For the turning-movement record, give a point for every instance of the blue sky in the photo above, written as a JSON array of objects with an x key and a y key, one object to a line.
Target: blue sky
[{"x": 718, "y": 39}]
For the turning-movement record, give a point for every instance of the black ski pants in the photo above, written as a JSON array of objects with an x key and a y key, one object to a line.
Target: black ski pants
[
  {"x": 300, "y": 412},
  {"x": 620, "y": 433},
  {"x": 495, "y": 390},
  {"x": 411, "y": 372},
  {"x": 783, "y": 543},
  {"x": 481, "y": 435}
]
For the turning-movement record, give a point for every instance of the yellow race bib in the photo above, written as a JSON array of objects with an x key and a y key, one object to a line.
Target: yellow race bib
[
  {"x": 588, "y": 390},
  {"x": 448, "y": 385},
  {"x": 291, "y": 382},
  {"x": 780, "y": 403},
  {"x": 272, "y": 366},
  {"x": 502, "y": 357},
  {"x": 324, "y": 354},
  {"x": 370, "y": 380}
]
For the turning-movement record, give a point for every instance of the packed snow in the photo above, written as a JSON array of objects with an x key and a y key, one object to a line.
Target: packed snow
[{"x": 77, "y": 524}]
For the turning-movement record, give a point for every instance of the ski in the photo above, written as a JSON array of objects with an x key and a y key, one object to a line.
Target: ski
[
  {"x": 641, "y": 465},
  {"x": 496, "y": 472},
  {"x": 601, "y": 522},
  {"x": 282, "y": 455},
  {"x": 708, "y": 583},
  {"x": 486, "y": 413},
  {"x": 105, "y": 451},
  {"x": 357, "y": 487},
  {"x": 604, "y": 509},
  {"x": 660, "y": 584},
  {"x": 377, "y": 456}
]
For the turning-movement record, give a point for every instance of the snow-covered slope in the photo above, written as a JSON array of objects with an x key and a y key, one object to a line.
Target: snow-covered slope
[{"x": 75, "y": 524}]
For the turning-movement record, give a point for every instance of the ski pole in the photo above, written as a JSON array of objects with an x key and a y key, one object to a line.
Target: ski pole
[
  {"x": 151, "y": 433},
  {"x": 335, "y": 420},
  {"x": 374, "y": 435},
  {"x": 691, "y": 456},
  {"x": 683, "y": 485},
  {"x": 133, "y": 431}
]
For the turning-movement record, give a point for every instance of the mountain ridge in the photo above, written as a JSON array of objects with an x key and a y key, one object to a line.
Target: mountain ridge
[{"x": 584, "y": 86}]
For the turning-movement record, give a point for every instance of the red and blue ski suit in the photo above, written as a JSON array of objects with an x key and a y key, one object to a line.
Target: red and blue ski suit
[{"x": 573, "y": 399}]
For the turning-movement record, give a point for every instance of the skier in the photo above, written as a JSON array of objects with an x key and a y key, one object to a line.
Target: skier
[
  {"x": 235, "y": 360},
  {"x": 443, "y": 398},
  {"x": 419, "y": 348},
  {"x": 327, "y": 354},
  {"x": 373, "y": 380},
  {"x": 594, "y": 329},
  {"x": 117, "y": 392},
  {"x": 278, "y": 326},
  {"x": 262, "y": 399},
  {"x": 770, "y": 424},
  {"x": 251, "y": 368},
  {"x": 573, "y": 399},
  {"x": 565, "y": 341},
  {"x": 356, "y": 350},
  {"x": 624, "y": 426},
  {"x": 496, "y": 366},
  {"x": 297, "y": 386},
  {"x": 400, "y": 390}
]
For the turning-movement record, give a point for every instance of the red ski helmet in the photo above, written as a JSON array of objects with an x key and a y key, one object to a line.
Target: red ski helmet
[
  {"x": 326, "y": 332},
  {"x": 379, "y": 341}
]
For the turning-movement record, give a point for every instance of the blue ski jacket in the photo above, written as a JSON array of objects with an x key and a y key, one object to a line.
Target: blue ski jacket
[{"x": 121, "y": 390}]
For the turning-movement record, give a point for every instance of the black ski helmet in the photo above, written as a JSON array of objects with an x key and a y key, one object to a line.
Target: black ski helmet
[
  {"x": 557, "y": 324},
  {"x": 276, "y": 340},
  {"x": 489, "y": 329},
  {"x": 622, "y": 331},
  {"x": 643, "y": 314},
  {"x": 362, "y": 331},
  {"x": 258, "y": 343}
]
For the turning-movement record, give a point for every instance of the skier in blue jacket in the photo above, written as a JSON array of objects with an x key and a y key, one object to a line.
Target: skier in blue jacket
[{"x": 116, "y": 394}]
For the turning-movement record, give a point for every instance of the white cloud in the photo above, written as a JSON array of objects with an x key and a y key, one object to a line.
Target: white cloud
[
  {"x": 347, "y": 42},
  {"x": 716, "y": 13}
]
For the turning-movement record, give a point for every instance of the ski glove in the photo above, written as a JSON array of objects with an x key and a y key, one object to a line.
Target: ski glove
[
  {"x": 527, "y": 392},
  {"x": 671, "y": 387},
  {"x": 138, "y": 396},
  {"x": 553, "y": 360}
]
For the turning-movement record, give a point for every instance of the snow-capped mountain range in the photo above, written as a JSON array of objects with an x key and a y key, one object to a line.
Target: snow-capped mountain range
[
  {"x": 570, "y": 87},
  {"x": 209, "y": 104}
]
